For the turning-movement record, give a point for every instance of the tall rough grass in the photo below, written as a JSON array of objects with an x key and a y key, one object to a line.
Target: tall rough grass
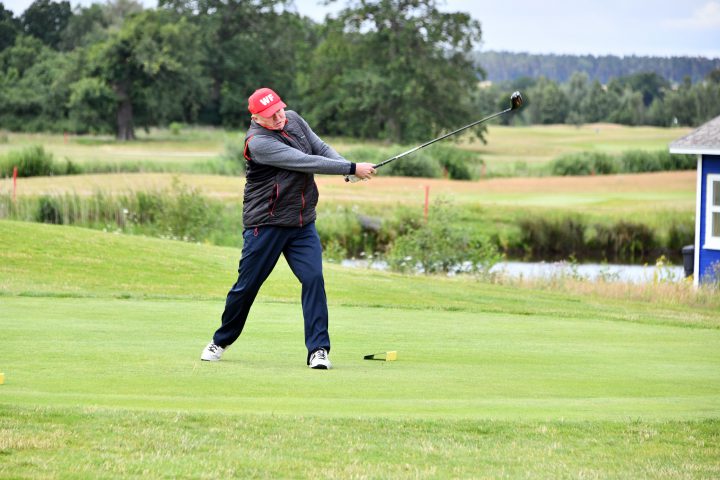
[
  {"x": 180, "y": 212},
  {"x": 631, "y": 161},
  {"x": 620, "y": 242},
  {"x": 346, "y": 232},
  {"x": 31, "y": 161},
  {"x": 661, "y": 290},
  {"x": 35, "y": 161}
]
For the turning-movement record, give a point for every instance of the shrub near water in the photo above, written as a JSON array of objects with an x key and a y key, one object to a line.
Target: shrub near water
[
  {"x": 546, "y": 239},
  {"x": 624, "y": 241},
  {"x": 543, "y": 239},
  {"x": 440, "y": 246}
]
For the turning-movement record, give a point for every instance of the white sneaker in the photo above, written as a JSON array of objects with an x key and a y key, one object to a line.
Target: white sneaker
[
  {"x": 319, "y": 359},
  {"x": 212, "y": 353}
]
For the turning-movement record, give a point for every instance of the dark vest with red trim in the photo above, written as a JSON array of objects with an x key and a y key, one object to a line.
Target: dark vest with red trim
[{"x": 276, "y": 196}]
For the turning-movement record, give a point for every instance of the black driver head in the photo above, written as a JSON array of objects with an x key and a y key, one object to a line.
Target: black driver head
[{"x": 516, "y": 101}]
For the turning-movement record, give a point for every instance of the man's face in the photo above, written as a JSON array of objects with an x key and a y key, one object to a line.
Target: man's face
[{"x": 276, "y": 122}]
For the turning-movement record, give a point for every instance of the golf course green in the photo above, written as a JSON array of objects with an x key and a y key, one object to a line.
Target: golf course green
[{"x": 101, "y": 335}]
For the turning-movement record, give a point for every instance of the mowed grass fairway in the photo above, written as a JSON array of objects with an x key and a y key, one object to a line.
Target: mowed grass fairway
[{"x": 100, "y": 336}]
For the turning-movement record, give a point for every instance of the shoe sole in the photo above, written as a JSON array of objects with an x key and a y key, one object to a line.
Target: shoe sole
[{"x": 321, "y": 367}]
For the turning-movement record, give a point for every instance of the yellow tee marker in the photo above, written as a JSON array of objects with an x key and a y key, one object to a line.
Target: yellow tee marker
[
  {"x": 384, "y": 356},
  {"x": 2, "y": 378}
]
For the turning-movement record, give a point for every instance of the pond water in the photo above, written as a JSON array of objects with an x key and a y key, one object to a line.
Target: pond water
[
  {"x": 593, "y": 272},
  {"x": 549, "y": 270}
]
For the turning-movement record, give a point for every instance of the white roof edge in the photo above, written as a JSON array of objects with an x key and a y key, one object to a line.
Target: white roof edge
[{"x": 695, "y": 151}]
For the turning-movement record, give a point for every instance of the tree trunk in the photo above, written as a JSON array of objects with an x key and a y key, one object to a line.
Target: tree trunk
[{"x": 125, "y": 126}]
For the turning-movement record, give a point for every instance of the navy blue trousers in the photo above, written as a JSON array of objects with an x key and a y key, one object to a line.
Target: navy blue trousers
[{"x": 261, "y": 250}]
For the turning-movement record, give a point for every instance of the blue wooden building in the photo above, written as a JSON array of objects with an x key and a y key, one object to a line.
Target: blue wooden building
[{"x": 705, "y": 143}]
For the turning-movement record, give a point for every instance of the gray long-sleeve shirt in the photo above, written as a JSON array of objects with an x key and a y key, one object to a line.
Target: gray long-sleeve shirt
[{"x": 267, "y": 150}]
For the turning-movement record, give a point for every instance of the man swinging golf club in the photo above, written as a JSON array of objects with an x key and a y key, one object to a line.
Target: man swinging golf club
[{"x": 282, "y": 154}]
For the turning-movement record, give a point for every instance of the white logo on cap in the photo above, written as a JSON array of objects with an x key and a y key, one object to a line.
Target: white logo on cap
[{"x": 267, "y": 99}]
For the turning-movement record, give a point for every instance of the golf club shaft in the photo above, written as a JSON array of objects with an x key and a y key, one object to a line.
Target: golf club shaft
[
  {"x": 396, "y": 157},
  {"x": 353, "y": 178}
]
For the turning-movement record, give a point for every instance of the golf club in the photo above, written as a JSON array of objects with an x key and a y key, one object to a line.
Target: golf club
[{"x": 516, "y": 102}]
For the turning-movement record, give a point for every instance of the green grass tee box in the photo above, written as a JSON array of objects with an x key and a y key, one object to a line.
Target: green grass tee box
[{"x": 100, "y": 338}]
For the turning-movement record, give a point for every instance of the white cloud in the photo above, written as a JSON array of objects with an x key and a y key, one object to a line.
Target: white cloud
[{"x": 704, "y": 18}]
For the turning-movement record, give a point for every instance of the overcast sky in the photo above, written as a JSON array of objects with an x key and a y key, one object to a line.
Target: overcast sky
[{"x": 597, "y": 27}]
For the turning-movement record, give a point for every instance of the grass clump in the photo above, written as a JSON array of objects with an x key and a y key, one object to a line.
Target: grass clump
[
  {"x": 630, "y": 161},
  {"x": 583, "y": 163},
  {"x": 32, "y": 161}
]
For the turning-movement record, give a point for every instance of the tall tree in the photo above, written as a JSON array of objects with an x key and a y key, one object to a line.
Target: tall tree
[
  {"x": 394, "y": 69},
  {"x": 9, "y": 28},
  {"x": 45, "y": 19},
  {"x": 577, "y": 89},
  {"x": 649, "y": 84},
  {"x": 597, "y": 104},
  {"x": 34, "y": 86},
  {"x": 630, "y": 109},
  {"x": 547, "y": 103},
  {"x": 87, "y": 26},
  {"x": 152, "y": 65},
  {"x": 246, "y": 44}
]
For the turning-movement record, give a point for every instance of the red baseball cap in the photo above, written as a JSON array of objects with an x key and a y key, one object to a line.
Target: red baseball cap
[{"x": 265, "y": 102}]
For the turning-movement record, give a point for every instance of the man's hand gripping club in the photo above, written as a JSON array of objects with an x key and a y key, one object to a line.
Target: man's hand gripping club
[{"x": 363, "y": 171}]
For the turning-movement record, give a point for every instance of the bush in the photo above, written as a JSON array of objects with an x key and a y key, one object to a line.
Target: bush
[
  {"x": 49, "y": 211},
  {"x": 148, "y": 209},
  {"x": 547, "y": 239},
  {"x": 439, "y": 246},
  {"x": 341, "y": 234},
  {"x": 419, "y": 164},
  {"x": 72, "y": 168},
  {"x": 631, "y": 161},
  {"x": 624, "y": 242},
  {"x": 32, "y": 161},
  {"x": 367, "y": 155},
  {"x": 434, "y": 162},
  {"x": 584, "y": 163},
  {"x": 456, "y": 162},
  {"x": 638, "y": 161},
  {"x": 679, "y": 235},
  {"x": 188, "y": 215},
  {"x": 176, "y": 128}
]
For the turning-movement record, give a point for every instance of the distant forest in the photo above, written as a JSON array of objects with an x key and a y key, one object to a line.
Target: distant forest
[
  {"x": 508, "y": 66},
  {"x": 399, "y": 71}
]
